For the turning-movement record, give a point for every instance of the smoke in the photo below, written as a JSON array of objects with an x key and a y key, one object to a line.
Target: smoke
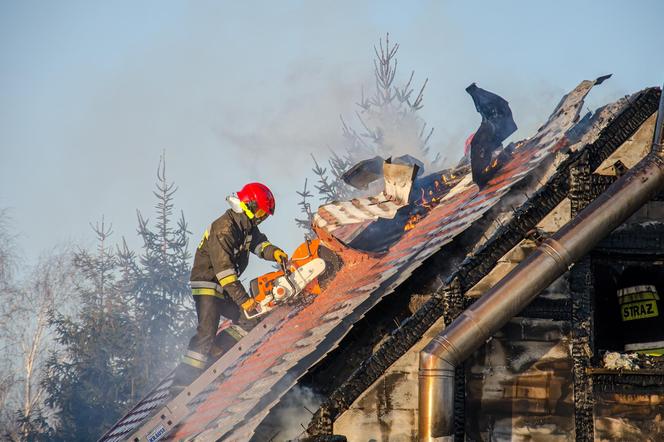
[
  {"x": 290, "y": 418},
  {"x": 399, "y": 133},
  {"x": 304, "y": 121}
]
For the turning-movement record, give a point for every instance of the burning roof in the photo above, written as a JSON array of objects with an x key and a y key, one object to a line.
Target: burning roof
[{"x": 251, "y": 378}]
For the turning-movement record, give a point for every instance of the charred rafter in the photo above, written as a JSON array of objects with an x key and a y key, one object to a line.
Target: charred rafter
[{"x": 580, "y": 195}]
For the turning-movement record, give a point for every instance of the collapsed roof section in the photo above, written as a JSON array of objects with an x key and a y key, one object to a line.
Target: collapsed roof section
[{"x": 240, "y": 388}]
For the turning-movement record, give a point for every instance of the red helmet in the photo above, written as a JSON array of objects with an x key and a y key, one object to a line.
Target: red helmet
[{"x": 258, "y": 199}]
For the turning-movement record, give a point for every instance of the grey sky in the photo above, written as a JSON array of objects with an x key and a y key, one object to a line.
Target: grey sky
[{"x": 92, "y": 92}]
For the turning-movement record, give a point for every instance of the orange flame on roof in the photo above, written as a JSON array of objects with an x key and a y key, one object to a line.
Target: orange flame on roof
[
  {"x": 491, "y": 166},
  {"x": 431, "y": 197},
  {"x": 410, "y": 225}
]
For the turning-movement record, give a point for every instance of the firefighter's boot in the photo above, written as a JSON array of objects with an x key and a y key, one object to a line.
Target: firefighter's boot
[{"x": 192, "y": 366}]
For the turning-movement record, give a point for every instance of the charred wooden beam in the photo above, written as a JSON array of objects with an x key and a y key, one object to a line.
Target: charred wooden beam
[
  {"x": 580, "y": 183},
  {"x": 637, "y": 239},
  {"x": 584, "y": 188},
  {"x": 454, "y": 304},
  {"x": 558, "y": 310},
  {"x": 599, "y": 183},
  {"x": 621, "y": 381},
  {"x": 581, "y": 284}
]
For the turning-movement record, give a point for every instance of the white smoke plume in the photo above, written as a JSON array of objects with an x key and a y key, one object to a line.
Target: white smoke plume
[{"x": 289, "y": 420}]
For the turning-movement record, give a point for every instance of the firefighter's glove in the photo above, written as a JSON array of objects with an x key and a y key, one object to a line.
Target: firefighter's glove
[
  {"x": 236, "y": 292},
  {"x": 280, "y": 256},
  {"x": 249, "y": 305}
]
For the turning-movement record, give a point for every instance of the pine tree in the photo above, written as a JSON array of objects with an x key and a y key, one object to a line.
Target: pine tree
[
  {"x": 88, "y": 384},
  {"x": 390, "y": 127},
  {"x": 164, "y": 308}
]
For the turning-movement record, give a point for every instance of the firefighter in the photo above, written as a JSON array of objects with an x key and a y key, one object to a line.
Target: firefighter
[{"x": 220, "y": 259}]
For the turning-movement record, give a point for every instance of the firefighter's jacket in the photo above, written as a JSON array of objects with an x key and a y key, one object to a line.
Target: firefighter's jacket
[{"x": 223, "y": 252}]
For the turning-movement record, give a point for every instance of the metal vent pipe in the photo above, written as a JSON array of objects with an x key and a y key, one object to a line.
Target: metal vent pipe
[{"x": 516, "y": 290}]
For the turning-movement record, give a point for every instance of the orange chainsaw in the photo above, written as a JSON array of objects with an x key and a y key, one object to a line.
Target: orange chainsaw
[{"x": 297, "y": 277}]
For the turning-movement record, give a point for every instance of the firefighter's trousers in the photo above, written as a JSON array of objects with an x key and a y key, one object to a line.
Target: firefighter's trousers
[{"x": 206, "y": 346}]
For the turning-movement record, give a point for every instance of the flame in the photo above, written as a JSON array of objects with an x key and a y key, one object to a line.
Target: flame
[
  {"x": 414, "y": 219},
  {"x": 491, "y": 166},
  {"x": 431, "y": 197}
]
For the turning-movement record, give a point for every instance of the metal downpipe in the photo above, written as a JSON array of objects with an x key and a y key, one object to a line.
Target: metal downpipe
[{"x": 518, "y": 288}]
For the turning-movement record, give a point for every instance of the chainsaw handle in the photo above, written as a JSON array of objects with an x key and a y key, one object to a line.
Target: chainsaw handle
[
  {"x": 287, "y": 273},
  {"x": 258, "y": 309},
  {"x": 248, "y": 316}
]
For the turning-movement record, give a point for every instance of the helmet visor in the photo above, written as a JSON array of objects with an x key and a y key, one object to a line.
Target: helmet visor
[{"x": 260, "y": 214}]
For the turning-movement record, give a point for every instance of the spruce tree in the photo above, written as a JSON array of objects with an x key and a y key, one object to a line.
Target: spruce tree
[
  {"x": 164, "y": 308},
  {"x": 88, "y": 383},
  {"x": 389, "y": 126}
]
